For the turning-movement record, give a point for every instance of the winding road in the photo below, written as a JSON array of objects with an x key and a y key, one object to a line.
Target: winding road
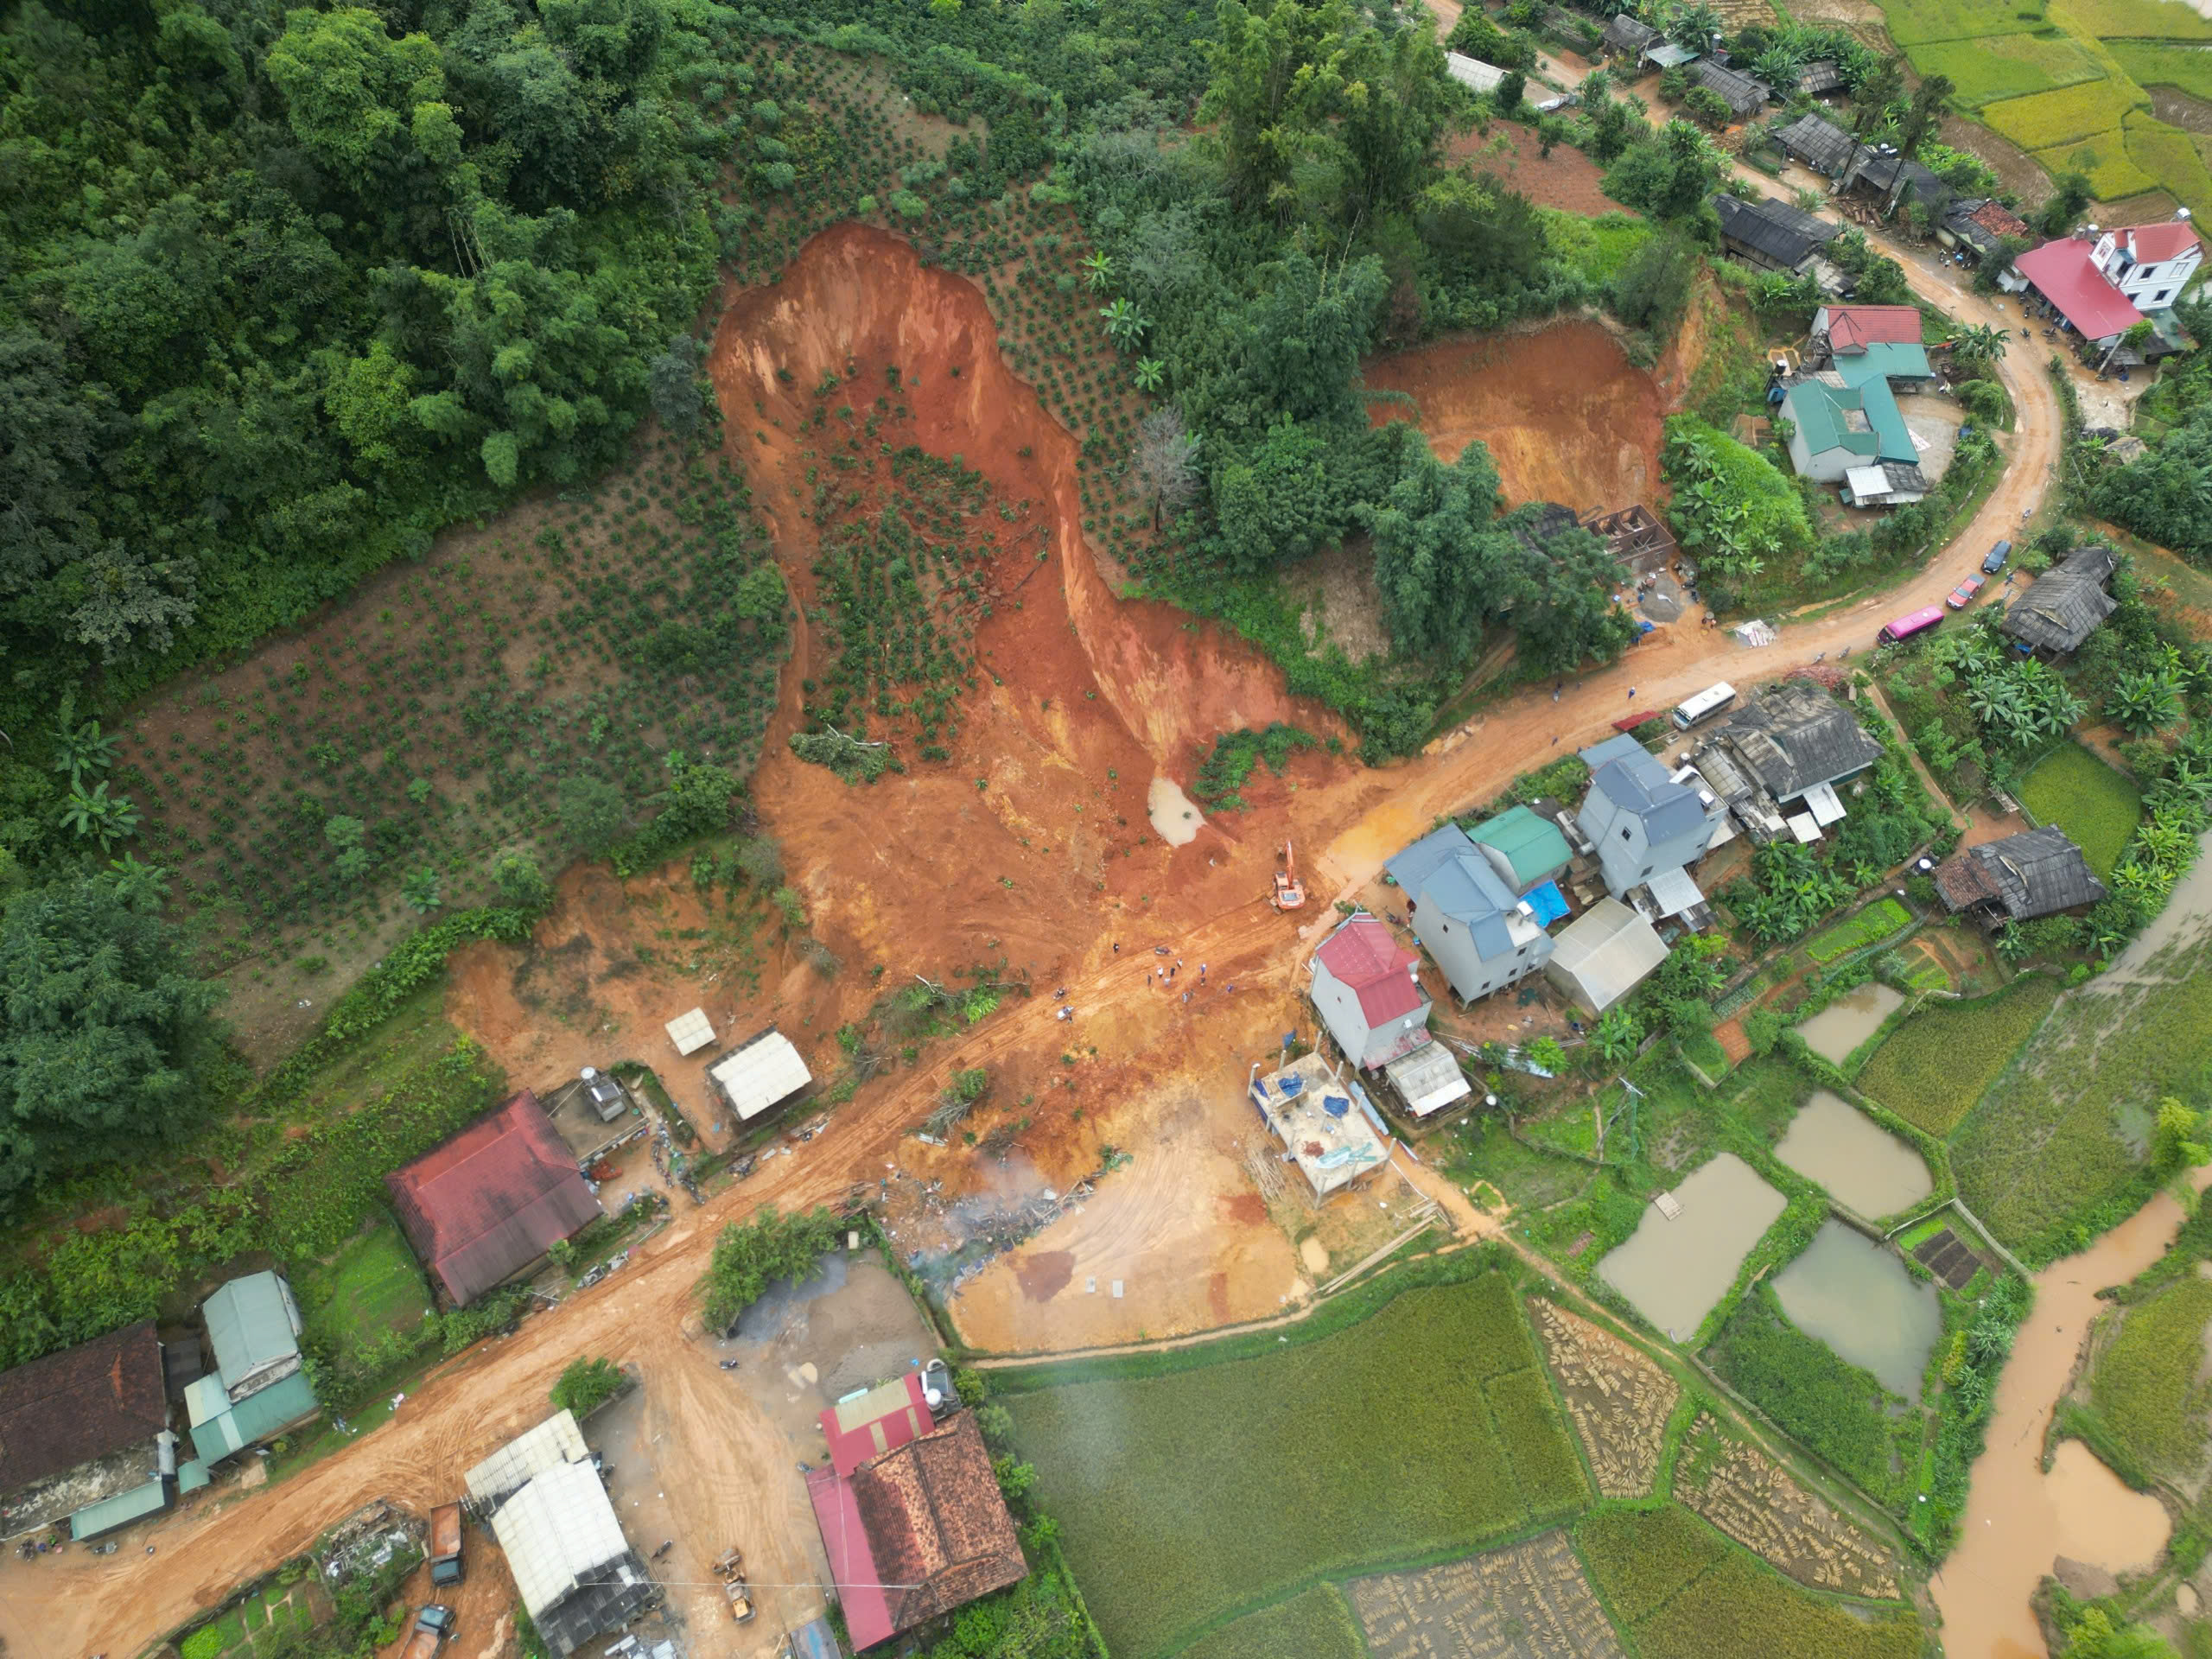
[{"x": 77, "y": 1605}]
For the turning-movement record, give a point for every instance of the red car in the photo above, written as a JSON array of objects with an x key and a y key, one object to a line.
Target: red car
[{"x": 1962, "y": 595}]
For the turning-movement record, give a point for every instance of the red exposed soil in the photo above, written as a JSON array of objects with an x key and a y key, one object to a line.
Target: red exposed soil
[
  {"x": 1014, "y": 846},
  {"x": 1567, "y": 418},
  {"x": 1567, "y": 178},
  {"x": 1245, "y": 1209}
]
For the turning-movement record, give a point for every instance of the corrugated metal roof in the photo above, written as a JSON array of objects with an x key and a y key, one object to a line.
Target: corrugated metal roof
[
  {"x": 1428, "y": 1079},
  {"x": 119, "y": 1511},
  {"x": 1531, "y": 845},
  {"x": 261, "y": 1416},
  {"x": 881, "y": 1420},
  {"x": 492, "y": 1199},
  {"x": 1674, "y": 891},
  {"x": 252, "y": 1324},
  {"x": 557, "y": 1530},
  {"x": 760, "y": 1073},
  {"x": 1368, "y": 960},
  {"x": 1606, "y": 953},
  {"x": 191, "y": 1476},
  {"x": 206, "y": 1399},
  {"x": 691, "y": 1032},
  {"x": 815, "y": 1640},
  {"x": 553, "y": 1442},
  {"x": 1473, "y": 72}
]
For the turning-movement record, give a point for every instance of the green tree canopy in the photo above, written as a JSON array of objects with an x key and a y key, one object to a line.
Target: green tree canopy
[{"x": 105, "y": 1037}]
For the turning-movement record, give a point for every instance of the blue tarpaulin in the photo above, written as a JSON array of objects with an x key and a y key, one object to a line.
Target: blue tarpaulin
[{"x": 1545, "y": 899}]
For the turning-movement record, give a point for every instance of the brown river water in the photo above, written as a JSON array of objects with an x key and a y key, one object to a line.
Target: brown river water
[{"x": 2020, "y": 1519}]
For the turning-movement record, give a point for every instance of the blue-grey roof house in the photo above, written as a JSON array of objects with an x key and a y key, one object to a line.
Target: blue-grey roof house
[
  {"x": 1473, "y": 925},
  {"x": 1638, "y": 819}
]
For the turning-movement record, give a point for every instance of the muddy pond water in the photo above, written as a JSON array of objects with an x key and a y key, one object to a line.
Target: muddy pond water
[
  {"x": 1865, "y": 1168},
  {"x": 1677, "y": 1271},
  {"x": 1856, "y": 1297},
  {"x": 1174, "y": 820},
  {"x": 1848, "y": 1021}
]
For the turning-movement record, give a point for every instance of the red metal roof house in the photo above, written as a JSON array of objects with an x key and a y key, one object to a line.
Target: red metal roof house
[
  {"x": 488, "y": 1204},
  {"x": 880, "y": 1420},
  {"x": 2065, "y": 278},
  {"x": 915, "y": 1531},
  {"x": 1845, "y": 330},
  {"x": 1367, "y": 989}
]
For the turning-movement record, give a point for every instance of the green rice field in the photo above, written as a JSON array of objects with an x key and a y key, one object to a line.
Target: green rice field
[
  {"x": 2065, "y": 116},
  {"x": 1424, "y": 1430},
  {"x": 1318, "y": 1625},
  {"x": 2054, "y": 1153},
  {"x": 1935, "y": 1065},
  {"x": 2007, "y": 66},
  {"x": 2144, "y": 1384},
  {"x": 2086, "y": 799},
  {"x": 1915, "y": 22},
  {"x": 1685, "y": 1593}
]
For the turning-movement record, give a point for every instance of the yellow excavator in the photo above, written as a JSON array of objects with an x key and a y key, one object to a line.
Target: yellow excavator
[{"x": 1288, "y": 896}]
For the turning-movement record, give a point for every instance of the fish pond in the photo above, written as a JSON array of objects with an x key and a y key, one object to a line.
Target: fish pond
[
  {"x": 1675, "y": 1271},
  {"x": 1865, "y": 1167},
  {"x": 1857, "y": 1298},
  {"x": 1849, "y": 1020}
]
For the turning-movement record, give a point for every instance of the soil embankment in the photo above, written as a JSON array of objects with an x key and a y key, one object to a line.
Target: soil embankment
[{"x": 1567, "y": 418}]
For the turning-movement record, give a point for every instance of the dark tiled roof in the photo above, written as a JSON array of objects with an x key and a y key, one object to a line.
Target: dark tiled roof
[
  {"x": 2064, "y": 604},
  {"x": 1821, "y": 75},
  {"x": 1820, "y": 144},
  {"x": 2036, "y": 873},
  {"x": 936, "y": 1523},
  {"x": 491, "y": 1200},
  {"x": 1741, "y": 93},
  {"x": 1792, "y": 735},
  {"x": 1882, "y": 172},
  {"x": 1625, "y": 33},
  {"x": 98, "y": 1398},
  {"x": 1781, "y": 232}
]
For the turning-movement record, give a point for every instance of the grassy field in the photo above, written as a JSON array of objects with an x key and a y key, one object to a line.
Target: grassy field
[
  {"x": 1318, "y": 1625},
  {"x": 2065, "y": 116},
  {"x": 1833, "y": 1407},
  {"x": 1935, "y": 1065},
  {"x": 1685, "y": 1593},
  {"x": 2145, "y": 1383},
  {"x": 2053, "y": 1154},
  {"x": 2007, "y": 66},
  {"x": 1184, "y": 1496},
  {"x": 1596, "y": 247},
  {"x": 1878, "y": 921}
]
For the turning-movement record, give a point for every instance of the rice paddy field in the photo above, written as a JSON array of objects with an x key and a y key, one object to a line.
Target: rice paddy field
[
  {"x": 2065, "y": 82},
  {"x": 2145, "y": 1383},
  {"x": 1315, "y": 1625},
  {"x": 1938, "y": 1062},
  {"x": 1184, "y": 1496},
  {"x": 1686, "y": 1593},
  {"x": 2054, "y": 1151}
]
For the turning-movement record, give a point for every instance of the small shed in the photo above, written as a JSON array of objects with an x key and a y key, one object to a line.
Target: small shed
[
  {"x": 1625, "y": 37},
  {"x": 1522, "y": 846},
  {"x": 1605, "y": 954},
  {"x": 1817, "y": 144},
  {"x": 691, "y": 1032},
  {"x": 1820, "y": 78},
  {"x": 1428, "y": 1079},
  {"x": 760, "y": 1074}
]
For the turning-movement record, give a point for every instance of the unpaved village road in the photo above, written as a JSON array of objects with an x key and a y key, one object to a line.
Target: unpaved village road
[{"x": 729, "y": 1478}]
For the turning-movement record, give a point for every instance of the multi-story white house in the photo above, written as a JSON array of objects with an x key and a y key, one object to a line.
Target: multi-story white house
[{"x": 2150, "y": 263}]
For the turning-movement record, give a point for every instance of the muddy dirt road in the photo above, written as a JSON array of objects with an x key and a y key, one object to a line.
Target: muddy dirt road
[{"x": 1086, "y": 696}]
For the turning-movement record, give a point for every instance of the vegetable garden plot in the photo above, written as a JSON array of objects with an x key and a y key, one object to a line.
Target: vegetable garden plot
[
  {"x": 1618, "y": 1398},
  {"x": 1182, "y": 1496},
  {"x": 1754, "y": 1501},
  {"x": 1529, "y": 1602}
]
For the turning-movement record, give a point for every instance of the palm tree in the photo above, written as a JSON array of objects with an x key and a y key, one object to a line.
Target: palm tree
[
  {"x": 1125, "y": 324},
  {"x": 1100, "y": 269},
  {"x": 1150, "y": 372}
]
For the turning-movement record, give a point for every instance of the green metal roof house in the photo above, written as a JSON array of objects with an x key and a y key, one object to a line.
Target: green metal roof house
[
  {"x": 1523, "y": 846},
  {"x": 1838, "y": 428},
  {"x": 257, "y": 1389}
]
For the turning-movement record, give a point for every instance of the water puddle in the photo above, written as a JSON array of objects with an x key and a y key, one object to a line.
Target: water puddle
[
  {"x": 1174, "y": 820},
  {"x": 1867, "y": 1169},
  {"x": 1675, "y": 1271},
  {"x": 1848, "y": 1021},
  {"x": 2100, "y": 1520},
  {"x": 2019, "y": 1520},
  {"x": 1849, "y": 1293}
]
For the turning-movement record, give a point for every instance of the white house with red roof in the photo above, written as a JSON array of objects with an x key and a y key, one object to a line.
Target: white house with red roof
[
  {"x": 1367, "y": 989},
  {"x": 2102, "y": 287}
]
